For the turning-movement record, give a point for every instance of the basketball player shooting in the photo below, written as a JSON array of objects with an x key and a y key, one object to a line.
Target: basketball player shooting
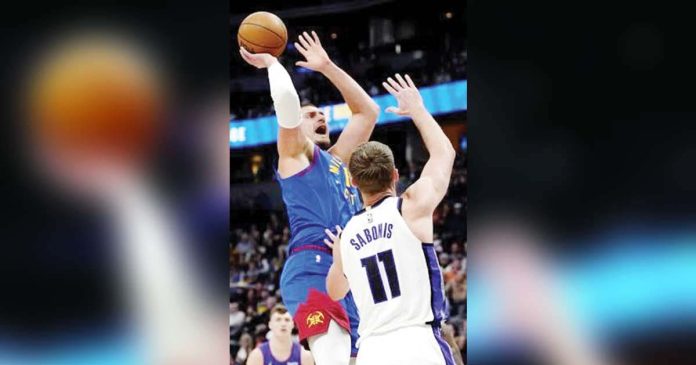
[
  {"x": 317, "y": 191},
  {"x": 385, "y": 256},
  {"x": 280, "y": 345}
]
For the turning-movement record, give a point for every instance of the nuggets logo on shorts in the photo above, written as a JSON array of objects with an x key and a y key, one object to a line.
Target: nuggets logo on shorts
[{"x": 315, "y": 318}]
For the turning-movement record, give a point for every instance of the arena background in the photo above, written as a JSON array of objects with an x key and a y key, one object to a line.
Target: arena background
[{"x": 370, "y": 40}]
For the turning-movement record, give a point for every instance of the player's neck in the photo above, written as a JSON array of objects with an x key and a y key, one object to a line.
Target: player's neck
[
  {"x": 374, "y": 198},
  {"x": 281, "y": 342}
]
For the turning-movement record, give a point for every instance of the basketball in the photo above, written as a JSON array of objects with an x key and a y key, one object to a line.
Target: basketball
[
  {"x": 263, "y": 32},
  {"x": 94, "y": 96}
]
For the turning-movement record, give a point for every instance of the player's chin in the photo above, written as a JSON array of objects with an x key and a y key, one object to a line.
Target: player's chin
[{"x": 323, "y": 141}]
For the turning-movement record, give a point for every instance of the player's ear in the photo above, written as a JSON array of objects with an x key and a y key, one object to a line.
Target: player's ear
[
  {"x": 353, "y": 181},
  {"x": 395, "y": 175},
  {"x": 270, "y": 322}
]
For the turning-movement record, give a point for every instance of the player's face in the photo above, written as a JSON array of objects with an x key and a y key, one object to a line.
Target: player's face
[
  {"x": 281, "y": 324},
  {"x": 315, "y": 127}
]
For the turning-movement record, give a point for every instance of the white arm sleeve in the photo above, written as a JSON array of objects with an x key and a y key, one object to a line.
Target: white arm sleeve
[{"x": 285, "y": 99}]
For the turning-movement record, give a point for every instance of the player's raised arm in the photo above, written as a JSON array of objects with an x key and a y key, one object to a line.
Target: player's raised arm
[
  {"x": 425, "y": 194},
  {"x": 364, "y": 110},
  {"x": 292, "y": 143}
]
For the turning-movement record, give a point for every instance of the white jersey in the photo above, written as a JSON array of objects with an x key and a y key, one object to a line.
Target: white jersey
[{"x": 394, "y": 277}]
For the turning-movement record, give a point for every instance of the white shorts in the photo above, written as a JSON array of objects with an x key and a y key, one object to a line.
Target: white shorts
[{"x": 413, "y": 345}]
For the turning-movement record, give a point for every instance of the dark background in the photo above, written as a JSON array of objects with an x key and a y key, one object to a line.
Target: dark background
[
  {"x": 588, "y": 110},
  {"x": 582, "y": 116},
  {"x": 57, "y": 263}
]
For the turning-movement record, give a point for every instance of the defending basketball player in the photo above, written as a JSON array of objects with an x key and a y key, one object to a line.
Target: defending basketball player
[
  {"x": 280, "y": 345},
  {"x": 318, "y": 193},
  {"x": 386, "y": 256}
]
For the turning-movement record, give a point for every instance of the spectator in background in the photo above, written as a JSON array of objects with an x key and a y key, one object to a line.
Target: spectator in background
[
  {"x": 267, "y": 303},
  {"x": 456, "y": 290},
  {"x": 453, "y": 219},
  {"x": 245, "y": 246},
  {"x": 444, "y": 259},
  {"x": 251, "y": 298},
  {"x": 260, "y": 333},
  {"x": 283, "y": 247},
  {"x": 452, "y": 270},
  {"x": 237, "y": 317},
  {"x": 268, "y": 235},
  {"x": 456, "y": 251},
  {"x": 246, "y": 345}
]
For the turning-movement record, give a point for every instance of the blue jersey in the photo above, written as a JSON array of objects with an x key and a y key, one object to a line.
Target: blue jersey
[
  {"x": 269, "y": 359},
  {"x": 320, "y": 196}
]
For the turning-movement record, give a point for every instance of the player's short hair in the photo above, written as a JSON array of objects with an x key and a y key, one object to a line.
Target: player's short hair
[
  {"x": 279, "y": 309},
  {"x": 372, "y": 166}
]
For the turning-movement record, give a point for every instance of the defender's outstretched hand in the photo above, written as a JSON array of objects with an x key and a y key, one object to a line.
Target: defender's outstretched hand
[
  {"x": 258, "y": 60},
  {"x": 310, "y": 47},
  {"x": 335, "y": 238},
  {"x": 406, "y": 94}
]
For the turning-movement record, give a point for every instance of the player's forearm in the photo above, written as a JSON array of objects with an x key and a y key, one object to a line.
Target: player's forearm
[
  {"x": 336, "y": 283},
  {"x": 438, "y": 169},
  {"x": 286, "y": 102},
  {"x": 436, "y": 142},
  {"x": 357, "y": 99},
  {"x": 285, "y": 99}
]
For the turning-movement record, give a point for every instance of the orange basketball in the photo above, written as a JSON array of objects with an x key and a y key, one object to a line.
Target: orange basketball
[
  {"x": 263, "y": 32},
  {"x": 95, "y": 96}
]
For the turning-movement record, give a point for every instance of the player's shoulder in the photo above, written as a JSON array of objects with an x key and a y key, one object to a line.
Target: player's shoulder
[
  {"x": 255, "y": 356},
  {"x": 418, "y": 199},
  {"x": 292, "y": 169},
  {"x": 334, "y": 156},
  {"x": 322, "y": 157}
]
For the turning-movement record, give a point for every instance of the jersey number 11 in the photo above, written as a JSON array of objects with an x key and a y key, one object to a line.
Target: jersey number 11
[{"x": 374, "y": 276}]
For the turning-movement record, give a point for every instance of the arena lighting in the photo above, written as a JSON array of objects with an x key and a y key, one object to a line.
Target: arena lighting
[
  {"x": 463, "y": 143},
  {"x": 439, "y": 99},
  {"x": 632, "y": 282}
]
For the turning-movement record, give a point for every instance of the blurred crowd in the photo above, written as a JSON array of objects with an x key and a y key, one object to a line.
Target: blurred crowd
[
  {"x": 257, "y": 253},
  {"x": 426, "y": 68}
]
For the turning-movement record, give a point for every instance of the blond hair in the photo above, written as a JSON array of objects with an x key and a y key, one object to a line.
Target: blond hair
[
  {"x": 279, "y": 309},
  {"x": 372, "y": 167}
]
